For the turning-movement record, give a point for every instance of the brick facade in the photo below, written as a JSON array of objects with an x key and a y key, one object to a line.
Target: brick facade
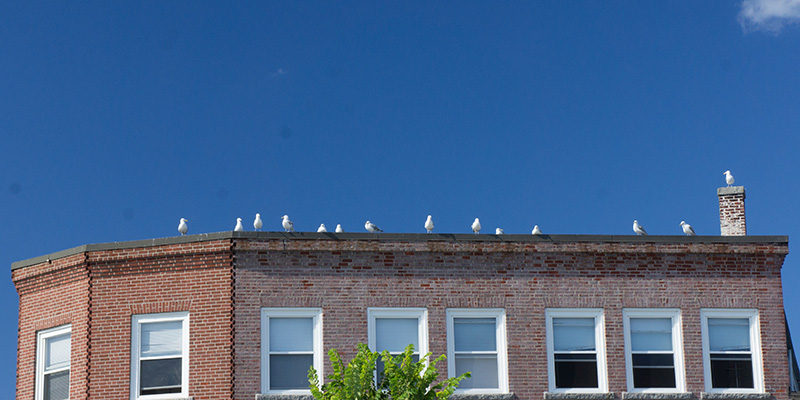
[
  {"x": 731, "y": 211},
  {"x": 223, "y": 281}
]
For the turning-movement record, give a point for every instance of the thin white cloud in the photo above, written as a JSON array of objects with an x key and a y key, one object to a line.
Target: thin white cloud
[{"x": 768, "y": 15}]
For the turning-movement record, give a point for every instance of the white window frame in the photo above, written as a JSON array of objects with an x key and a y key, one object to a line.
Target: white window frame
[
  {"x": 600, "y": 347},
  {"x": 421, "y": 315},
  {"x": 674, "y": 315},
  {"x": 41, "y": 339},
  {"x": 755, "y": 347},
  {"x": 136, "y": 325},
  {"x": 266, "y": 314},
  {"x": 499, "y": 315}
]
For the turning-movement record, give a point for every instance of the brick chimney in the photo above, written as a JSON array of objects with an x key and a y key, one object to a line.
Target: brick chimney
[{"x": 731, "y": 211}]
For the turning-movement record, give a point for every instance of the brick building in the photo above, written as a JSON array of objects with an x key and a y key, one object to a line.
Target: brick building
[{"x": 242, "y": 315}]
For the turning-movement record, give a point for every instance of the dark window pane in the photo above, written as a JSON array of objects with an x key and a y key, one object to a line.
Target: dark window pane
[
  {"x": 576, "y": 370},
  {"x": 731, "y": 371},
  {"x": 653, "y": 360},
  {"x": 56, "y": 386},
  {"x": 289, "y": 371},
  {"x": 160, "y": 376},
  {"x": 653, "y": 377}
]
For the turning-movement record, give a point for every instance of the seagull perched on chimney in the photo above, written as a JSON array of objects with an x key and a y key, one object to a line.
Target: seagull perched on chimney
[
  {"x": 182, "y": 227},
  {"x": 239, "y": 227},
  {"x": 536, "y": 230},
  {"x": 322, "y": 228},
  {"x": 258, "y": 223},
  {"x": 339, "y": 228},
  {"x": 476, "y": 226},
  {"x": 728, "y": 177},
  {"x": 372, "y": 228},
  {"x": 639, "y": 229},
  {"x": 429, "y": 224},
  {"x": 687, "y": 229},
  {"x": 287, "y": 224}
]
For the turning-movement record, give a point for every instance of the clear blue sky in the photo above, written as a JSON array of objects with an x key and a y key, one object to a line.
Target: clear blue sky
[{"x": 119, "y": 118}]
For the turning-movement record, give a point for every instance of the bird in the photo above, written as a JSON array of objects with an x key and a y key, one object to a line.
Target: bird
[
  {"x": 687, "y": 229},
  {"x": 429, "y": 224},
  {"x": 258, "y": 223},
  {"x": 536, "y": 230},
  {"x": 287, "y": 224},
  {"x": 639, "y": 229},
  {"x": 239, "y": 227},
  {"x": 476, "y": 226},
  {"x": 182, "y": 227},
  {"x": 498, "y": 231},
  {"x": 322, "y": 228},
  {"x": 339, "y": 228},
  {"x": 372, "y": 228},
  {"x": 728, "y": 177}
]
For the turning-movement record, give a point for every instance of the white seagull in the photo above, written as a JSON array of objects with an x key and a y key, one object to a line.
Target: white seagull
[
  {"x": 372, "y": 228},
  {"x": 258, "y": 223},
  {"x": 429, "y": 224},
  {"x": 536, "y": 230},
  {"x": 239, "y": 227},
  {"x": 728, "y": 177},
  {"x": 687, "y": 229},
  {"x": 287, "y": 224},
  {"x": 639, "y": 229},
  {"x": 498, "y": 231},
  {"x": 182, "y": 227},
  {"x": 339, "y": 228},
  {"x": 322, "y": 228},
  {"x": 476, "y": 226}
]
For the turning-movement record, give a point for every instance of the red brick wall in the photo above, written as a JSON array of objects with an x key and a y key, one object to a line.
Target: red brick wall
[{"x": 345, "y": 278}]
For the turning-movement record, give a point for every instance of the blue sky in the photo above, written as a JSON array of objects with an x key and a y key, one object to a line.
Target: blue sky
[{"x": 117, "y": 119}]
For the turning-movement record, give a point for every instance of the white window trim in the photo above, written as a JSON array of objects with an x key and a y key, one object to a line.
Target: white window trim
[
  {"x": 677, "y": 347},
  {"x": 421, "y": 314},
  {"x": 137, "y": 321},
  {"x": 266, "y": 314},
  {"x": 41, "y": 337},
  {"x": 600, "y": 347},
  {"x": 755, "y": 347},
  {"x": 502, "y": 361}
]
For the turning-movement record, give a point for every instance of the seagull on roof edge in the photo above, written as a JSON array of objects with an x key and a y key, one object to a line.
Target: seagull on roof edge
[
  {"x": 339, "y": 228},
  {"x": 287, "y": 224},
  {"x": 728, "y": 177},
  {"x": 536, "y": 230},
  {"x": 639, "y": 229},
  {"x": 322, "y": 228},
  {"x": 498, "y": 231},
  {"x": 372, "y": 228},
  {"x": 239, "y": 227},
  {"x": 476, "y": 226},
  {"x": 687, "y": 229},
  {"x": 182, "y": 227},
  {"x": 258, "y": 223},
  {"x": 429, "y": 224}
]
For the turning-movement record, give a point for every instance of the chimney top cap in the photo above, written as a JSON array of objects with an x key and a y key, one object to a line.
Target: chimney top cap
[{"x": 730, "y": 190}]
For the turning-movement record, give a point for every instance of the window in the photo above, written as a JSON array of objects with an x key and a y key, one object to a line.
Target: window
[
  {"x": 393, "y": 329},
  {"x": 653, "y": 350},
  {"x": 291, "y": 342},
  {"x": 160, "y": 355},
  {"x": 731, "y": 350},
  {"x": 476, "y": 343},
  {"x": 53, "y": 347},
  {"x": 576, "y": 350}
]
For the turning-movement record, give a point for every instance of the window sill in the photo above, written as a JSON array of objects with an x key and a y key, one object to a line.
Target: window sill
[
  {"x": 578, "y": 396},
  {"x": 482, "y": 396},
  {"x": 284, "y": 397},
  {"x": 735, "y": 396},
  {"x": 656, "y": 396}
]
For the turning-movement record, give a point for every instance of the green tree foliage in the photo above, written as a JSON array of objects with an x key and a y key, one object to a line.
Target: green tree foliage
[{"x": 403, "y": 378}]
